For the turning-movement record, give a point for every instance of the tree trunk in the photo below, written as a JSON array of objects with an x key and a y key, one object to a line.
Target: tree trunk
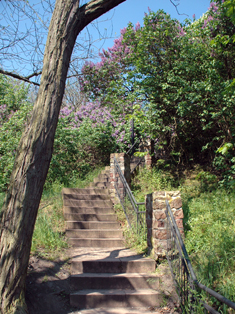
[{"x": 35, "y": 149}]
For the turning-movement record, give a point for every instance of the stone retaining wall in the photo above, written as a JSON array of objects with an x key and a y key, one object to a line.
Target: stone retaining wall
[{"x": 156, "y": 219}]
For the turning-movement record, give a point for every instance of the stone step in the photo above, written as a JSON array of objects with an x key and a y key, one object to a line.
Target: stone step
[
  {"x": 135, "y": 310},
  {"x": 88, "y": 203},
  {"x": 115, "y": 298},
  {"x": 97, "y": 243},
  {"x": 88, "y": 197},
  {"x": 101, "y": 178},
  {"x": 90, "y": 217},
  {"x": 88, "y": 210},
  {"x": 132, "y": 264},
  {"x": 86, "y": 233},
  {"x": 131, "y": 281},
  {"x": 93, "y": 191},
  {"x": 92, "y": 225},
  {"x": 104, "y": 185}
]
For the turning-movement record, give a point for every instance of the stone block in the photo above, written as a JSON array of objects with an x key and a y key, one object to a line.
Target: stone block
[
  {"x": 179, "y": 223},
  {"x": 159, "y": 214},
  {"x": 179, "y": 214},
  {"x": 161, "y": 234},
  {"x": 176, "y": 203},
  {"x": 159, "y": 204},
  {"x": 172, "y": 193},
  {"x": 159, "y": 193}
]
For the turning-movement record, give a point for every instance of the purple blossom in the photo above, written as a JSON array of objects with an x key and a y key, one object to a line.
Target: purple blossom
[
  {"x": 213, "y": 7},
  {"x": 137, "y": 26},
  {"x": 123, "y": 31}
]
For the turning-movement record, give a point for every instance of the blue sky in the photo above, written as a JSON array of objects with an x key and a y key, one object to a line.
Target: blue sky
[
  {"x": 133, "y": 11},
  {"x": 108, "y": 24}
]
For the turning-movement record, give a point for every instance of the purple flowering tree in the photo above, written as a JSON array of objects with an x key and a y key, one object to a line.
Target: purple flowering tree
[
  {"x": 84, "y": 139},
  {"x": 179, "y": 76}
]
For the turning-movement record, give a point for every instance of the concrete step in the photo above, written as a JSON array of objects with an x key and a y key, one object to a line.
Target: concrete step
[
  {"x": 88, "y": 203},
  {"x": 94, "y": 191},
  {"x": 89, "y": 197},
  {"x": 133, "y": 264},
  {"x": 92, "y": 225},
  {"x": 130, "y": 281},
  {"x": 97, "y": 243},
  {"x": 90, "y": 217},
  {"x": 115, "y": 298},
  {"x": 87, "y": 210},
  {"x": 86, "y": 233}
]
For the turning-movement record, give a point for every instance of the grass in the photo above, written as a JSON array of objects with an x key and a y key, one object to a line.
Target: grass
[
  {"x": 133, "y": 239},
  {"x": 209, "y": 225},
  {"x": 210, "y": 239}
]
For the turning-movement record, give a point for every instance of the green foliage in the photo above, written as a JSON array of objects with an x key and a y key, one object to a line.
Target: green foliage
[
  {"x": 150, "y": 180},
  {"x": 178, "y": 81},
  {"x": 10, "y": 134},
  {"x": 12, "y": 93},
  {"x": 210, "y": 241},
  {"x": 77, "y": 151}
]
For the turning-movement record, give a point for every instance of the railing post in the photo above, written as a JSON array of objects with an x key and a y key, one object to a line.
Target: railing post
[{"x": 149, "y": 221}]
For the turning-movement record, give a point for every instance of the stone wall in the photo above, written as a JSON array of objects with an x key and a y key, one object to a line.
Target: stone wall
[
  {"x": 124, "y": 163},
  {"x": 156, "y": 219}
]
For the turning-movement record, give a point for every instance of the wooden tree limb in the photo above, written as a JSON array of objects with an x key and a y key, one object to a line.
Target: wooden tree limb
[{"x": 22, "y": 78}]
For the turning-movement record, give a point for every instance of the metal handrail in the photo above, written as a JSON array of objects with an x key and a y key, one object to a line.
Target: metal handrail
[
  {"x": 134, "y": 203},
  {"x": 131, "y": 148},
  {"x": 191, "y": 277}
]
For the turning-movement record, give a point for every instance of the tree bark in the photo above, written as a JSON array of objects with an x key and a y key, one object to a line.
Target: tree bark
[{"x": 35, "y": 149}]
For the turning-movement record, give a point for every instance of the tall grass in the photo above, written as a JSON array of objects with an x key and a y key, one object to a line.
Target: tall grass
[
  {"x": 210, "y": 239},
  {"x": 150, "y": 180},
  {"x": 209, "y": 224}
]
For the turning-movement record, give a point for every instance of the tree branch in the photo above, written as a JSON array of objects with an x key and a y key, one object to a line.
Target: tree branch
[
  {"x": 176, "y": 5},
  {"x": 22, "y": 78}
]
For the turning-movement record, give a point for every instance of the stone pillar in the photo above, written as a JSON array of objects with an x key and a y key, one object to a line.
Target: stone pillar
[
  {"x": 124, "y": 163},
  {"x": 156, "y": 219},
  {"x": 148, "y": 161}
]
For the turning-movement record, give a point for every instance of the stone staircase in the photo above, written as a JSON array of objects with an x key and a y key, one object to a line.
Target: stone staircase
[
  {"x": 102, "y": 181},
  {"x": 104, "y": 274},
  {"x": 90, "y": 219}
]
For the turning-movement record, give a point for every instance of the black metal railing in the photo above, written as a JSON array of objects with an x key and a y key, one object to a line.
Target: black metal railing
[
  {"x": 135, "y": 217},
  {"x": 188, "y": 288},
  {"x": 133, "y": 148}
]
